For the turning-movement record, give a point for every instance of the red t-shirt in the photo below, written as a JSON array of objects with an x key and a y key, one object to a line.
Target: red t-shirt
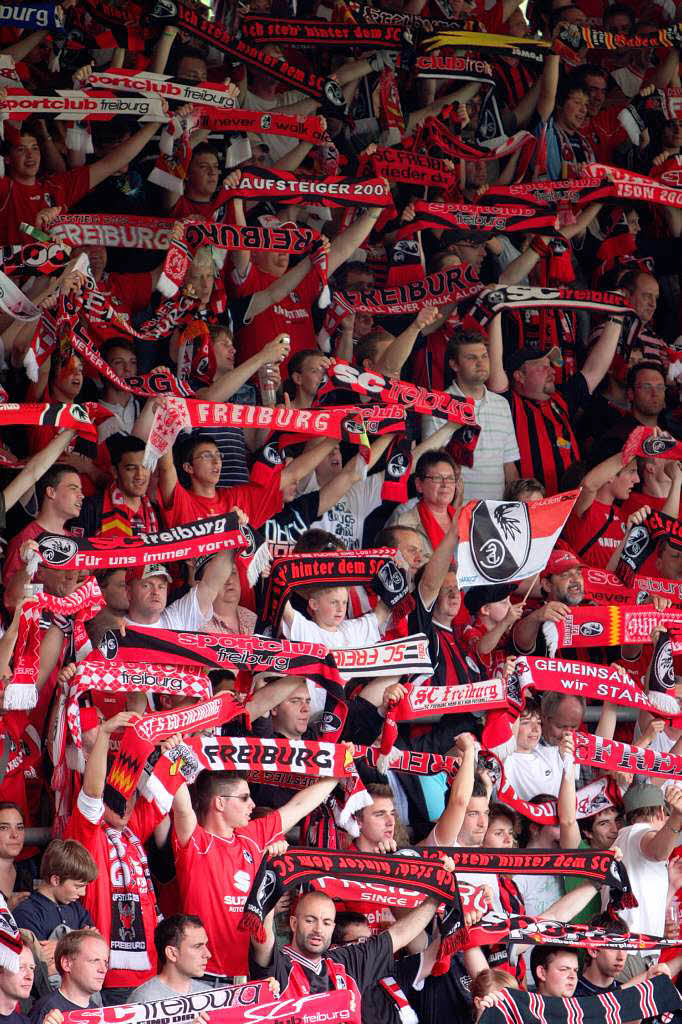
[
  {"x": 22, "y": 203},
  {"x": 260, "y": 502},
  {"x": 291, "y": 316},
  {"x": 605, "y": 133},
  {"x": 580, "y": 533},
  {"x": 214, "y": 877},
  {"x": 92, "y": 834},
  {"x": 472, "y": 634},
  {"x": 12, "y": 561}
]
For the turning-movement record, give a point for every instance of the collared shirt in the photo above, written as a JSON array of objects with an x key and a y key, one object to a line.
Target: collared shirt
[{"x": 496, "y": 444}]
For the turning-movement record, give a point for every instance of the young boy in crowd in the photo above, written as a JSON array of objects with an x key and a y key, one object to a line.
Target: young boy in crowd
[{"x": 493, "y": 616}]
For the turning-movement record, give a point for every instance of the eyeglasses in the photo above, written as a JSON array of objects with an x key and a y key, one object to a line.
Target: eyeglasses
[
  {"x": 438, "y": 478},
  {"x": 244, "y": 797},
  {"x": 210, "y": 456}
]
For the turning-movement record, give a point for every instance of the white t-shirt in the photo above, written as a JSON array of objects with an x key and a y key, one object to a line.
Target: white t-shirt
[
  {"x": 539, "y": 892},
  {"x": 530, "y": 774},
  {"x": 184, "y": 613},
  {"x": 346, "y": 519},
  {"x": 649, "y": 880},
  {"x": 361, "y": 632}
]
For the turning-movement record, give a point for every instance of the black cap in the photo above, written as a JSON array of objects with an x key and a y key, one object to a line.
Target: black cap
[
  {"x": 515, "y": 360},
  {"x": 476, "y": 597}
]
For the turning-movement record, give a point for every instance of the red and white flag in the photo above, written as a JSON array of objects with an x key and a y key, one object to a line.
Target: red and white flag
[{"x": 503, "y": 541}]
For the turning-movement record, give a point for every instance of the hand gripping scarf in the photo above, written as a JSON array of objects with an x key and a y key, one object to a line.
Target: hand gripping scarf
[
  {"x": 178, "y": 1009},
  {"x": 11, "y": 942},
  {"x": 313, "y": 32},
  {"x": 647, "y": 999},
  {"x": 284, "y": 187},
  {"x": 83, "y": 604},
  {"x": 491, "y": 219},
  {"x": 206, "y": 536},
  {"x": 196, "y": 234},
  {"x": 627, "y": 185},
  {"x": 387, "y": 389},
  {"x": 300, "y": 866},
  {"x": 144, "y": 734},
  {"x": 440, "y": 289},
  {"x": 374, "y": 567}
]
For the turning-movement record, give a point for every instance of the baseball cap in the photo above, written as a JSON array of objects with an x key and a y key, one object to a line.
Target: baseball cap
[
  {"x": 145, "y": 572},
  {"x": 561, "y": 561},
  {"x": 642, "y": 794},
  {"x": 476, "y": 597},
  {"x": 515, "y": 360}
]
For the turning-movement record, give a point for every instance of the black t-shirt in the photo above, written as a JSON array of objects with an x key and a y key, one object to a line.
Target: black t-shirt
[
  {"x": 451, "y": 664},
  {"x": 378, "y": 1007},
  {"x": 365, "y": 962},
  {"x": 446, "y": 997},
  {"x": 42, "y": 916},
  {"x": 55, "y": 1000},
  {"x": 588, "y": 988},
  {"x": 14, "y": 1018},
  {"x": 283, "y": 530}
]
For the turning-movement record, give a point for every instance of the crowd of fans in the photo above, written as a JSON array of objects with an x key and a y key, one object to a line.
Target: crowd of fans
[{"x": 146, "y": 904}]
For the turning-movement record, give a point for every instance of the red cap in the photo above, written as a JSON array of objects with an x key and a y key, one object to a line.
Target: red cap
[{"x": 561, "y": 560}]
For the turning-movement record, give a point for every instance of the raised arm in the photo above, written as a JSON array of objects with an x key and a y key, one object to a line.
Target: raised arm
[
  {"x": 95, "y": 773},
  {"x": 409, "y": 926},
  {"x": 222, "y": 389},
  {"x": 304, "y": 802},
  {"x": 438, "y": 565},
  {"x": 115, "y": 161},
  {"x": 36, "y": 467},
  {"x": 600, "y": 356},
  {"x": 448, "y": 826},
  {"x": 215, "y": 575},
  {"x": 184, "y": 818},
  {"x": 569, "y": 833},
  {"x": 343, "y": 247},
  {"x": 398, "y": 352}
]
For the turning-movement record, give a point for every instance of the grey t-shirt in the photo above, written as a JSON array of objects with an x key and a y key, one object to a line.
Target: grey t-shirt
[{"x": 157, "y": 989}]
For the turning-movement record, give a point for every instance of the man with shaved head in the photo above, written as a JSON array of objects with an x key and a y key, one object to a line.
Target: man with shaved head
[{"x": 308, "y": 965}]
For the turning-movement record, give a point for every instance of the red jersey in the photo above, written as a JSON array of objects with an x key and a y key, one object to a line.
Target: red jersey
[
  {"x": 21, "y": 203},
  {"x": 472, "y": 635},
  {"x": 292, "y": 315},
  {"x": 86, "y": 825},
  {"x": 260, "y": 502},
  {"x": 595, "y": 535},
  {"x": 13, "y": 562},
  {"x": 214, "y": 877},
  {"x": 605, "y": 133}
]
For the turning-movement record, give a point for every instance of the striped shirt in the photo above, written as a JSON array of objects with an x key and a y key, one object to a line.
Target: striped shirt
[
  {"x": 496, "y": 445},
  {"x": 544, "y": 433}
]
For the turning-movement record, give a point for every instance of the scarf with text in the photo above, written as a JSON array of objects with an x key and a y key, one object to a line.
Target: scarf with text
[
  {"x": 158, "y": 382},
  {"x": 427, "y": 701},
  {"x": 299, "y": 866},
  {"x": 294, "y": 240},
  {"x": 218, "y": 650},
  {"x": 575, "y": 37},
  {"x": 370, "y": 15},
  {"x": 627, "y": 185},
  {"x": 375, "y": 568},
  {"x": 291, "y": 764},
  {"x": 609, "y": 626},
  {"x": 293, "y": 126},
  {"x": 129, "y": 884},
  {"x": 528, "y": 297},
  {"x": 440, "y": 289},
  {"x": 79, "y": 105},
  {"x": 83, "y": 604},
  {"x": 11, "y": 942},
  {"x": 406, "y": 656},
  {"x": 114, "y": 230},
  {"x": 644, "y": 1000},
  {"x": 491, "y": 219},
  {"x": 205, "y": 94},
  {"x": 284, "y": 71},
  {"x": 286, "y": 188},
  {"x": 612, "y": 756},
  {"x": 525, "y": 49},
  {"x": 454, "y": 68},
  {"x": 143, "y": 735},
  {"x": 34, "y": 16},
  {"x": 178, "y": 1009},
  {"x": 576, "y": 192},
  {"x": 409, "y": 168},
  {"x": 121, "y": 677},
  {"x": 313, "y": 32},
  {"x": 205, "y": 536},
  {"x": 595, "y": 682}
]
